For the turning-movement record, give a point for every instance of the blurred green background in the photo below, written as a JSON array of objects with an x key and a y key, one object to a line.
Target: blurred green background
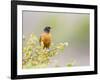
[{"x": 66, "y": 27}]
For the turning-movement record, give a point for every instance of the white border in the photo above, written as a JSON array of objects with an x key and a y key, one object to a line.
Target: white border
[{"x": 21, "y": 71}]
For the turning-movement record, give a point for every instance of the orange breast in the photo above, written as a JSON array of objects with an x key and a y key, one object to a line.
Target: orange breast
[{"x": 46, "y": 39}]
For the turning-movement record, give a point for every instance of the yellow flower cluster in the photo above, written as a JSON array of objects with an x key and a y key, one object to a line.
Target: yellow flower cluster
[
  {"x": 28, "y": 48},
  {"x": 35, "y": 55}
]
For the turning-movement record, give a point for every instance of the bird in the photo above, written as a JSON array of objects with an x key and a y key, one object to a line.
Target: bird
[{"x": 46, "y": 38}]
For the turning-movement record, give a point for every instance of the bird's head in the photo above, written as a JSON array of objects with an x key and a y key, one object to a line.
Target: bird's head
[{"x": 47, "y": 29}]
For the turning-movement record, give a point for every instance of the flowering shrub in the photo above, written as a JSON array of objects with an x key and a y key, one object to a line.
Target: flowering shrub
[{"x": 35, "y": 56}]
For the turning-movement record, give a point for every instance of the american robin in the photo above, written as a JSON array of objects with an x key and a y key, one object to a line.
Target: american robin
[{"x": 45, "y": 38}]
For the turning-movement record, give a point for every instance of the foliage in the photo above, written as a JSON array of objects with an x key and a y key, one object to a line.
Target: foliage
[{"x": 35, "y": 56}]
